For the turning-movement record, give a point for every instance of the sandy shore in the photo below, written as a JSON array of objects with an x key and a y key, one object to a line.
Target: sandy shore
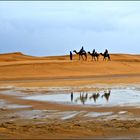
[{"x": 21, "y": 73}]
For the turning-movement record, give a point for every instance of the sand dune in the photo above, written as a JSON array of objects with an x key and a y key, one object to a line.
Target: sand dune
[
  {"x": 23, "y": 67},
  {"x": 16, "y": 56}
]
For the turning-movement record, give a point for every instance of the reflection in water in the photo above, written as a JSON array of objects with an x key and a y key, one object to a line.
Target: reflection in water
[
  {"x": 83, "y": 97},
  {"x": 71, "y": 96},
  {"x": 100, "y": 97},
  {"x": 95, "y": 96},
  {"x": 106, "y": 94}
]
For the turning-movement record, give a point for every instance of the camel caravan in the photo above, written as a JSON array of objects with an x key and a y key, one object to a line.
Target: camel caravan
[{"x": 95, "y": 56}]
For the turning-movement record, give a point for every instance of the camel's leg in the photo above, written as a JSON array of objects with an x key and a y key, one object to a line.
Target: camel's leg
[
  {"x": 82, "y": 57},
  {"x": 85, "y": 57},
  {"x": 79, "y": 57},
  {"x": 109, "y": 58},
  {"x": 97, "y": 58},
  {"x": 92, "y": 58}
]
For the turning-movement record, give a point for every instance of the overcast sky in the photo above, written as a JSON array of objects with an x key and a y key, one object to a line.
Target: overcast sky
[{"x": 54, "y": 28}]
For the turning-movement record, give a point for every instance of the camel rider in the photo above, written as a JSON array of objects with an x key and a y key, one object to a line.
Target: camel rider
[
  {"x": 93, "y": 51},
  {"x": 106, "y": 51},
  {"x": 82, "y": 49}
]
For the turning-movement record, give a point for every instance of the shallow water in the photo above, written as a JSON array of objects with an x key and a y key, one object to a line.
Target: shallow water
[
  {"x": 108, "y": 97},
  {"x": 98, "y": 114},
  {"x": 5, "y": 105}
]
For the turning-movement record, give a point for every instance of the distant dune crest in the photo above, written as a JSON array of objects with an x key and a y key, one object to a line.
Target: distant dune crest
[
  {"x": 18, "y": 53},
  {"x": 19, "y": 56},
  {"x": 15, "y": 56},
  {"x": 13, "y": 53}
]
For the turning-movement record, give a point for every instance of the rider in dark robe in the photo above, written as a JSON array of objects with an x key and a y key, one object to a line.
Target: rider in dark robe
[
  {"x": 93, "y": 51},
  {"x": 106, "y": 51},
  {"x": 82, "y": 49}
]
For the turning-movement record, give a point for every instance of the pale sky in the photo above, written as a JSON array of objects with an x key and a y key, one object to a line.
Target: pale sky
[{"x": 56, "y": 27}]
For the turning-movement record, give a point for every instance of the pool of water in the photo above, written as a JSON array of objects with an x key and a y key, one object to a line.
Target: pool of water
[
  {"x": 107, "y": 97},
  {"x": 5, "y": 105}
]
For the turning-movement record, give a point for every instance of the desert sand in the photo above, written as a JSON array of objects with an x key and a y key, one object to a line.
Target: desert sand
[{"x": 28, "y": 73}]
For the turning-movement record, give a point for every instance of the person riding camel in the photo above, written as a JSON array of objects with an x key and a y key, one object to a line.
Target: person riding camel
[
  {"x": 93, "y": 51},
  {"x": 106, "y": 51},
  {"x": 82, "y": 49}
]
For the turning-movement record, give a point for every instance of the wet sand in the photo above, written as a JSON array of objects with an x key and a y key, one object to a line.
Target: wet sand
[
  {"x": 20, "y": 73},
  {"x": 53, "y": 120}
]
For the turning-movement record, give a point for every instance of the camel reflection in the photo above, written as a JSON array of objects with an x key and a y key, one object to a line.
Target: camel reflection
[
  {"x": 94, "y": 96},
  {"x": 106, "y": 94},
  {"x": 84, "y": 96}
]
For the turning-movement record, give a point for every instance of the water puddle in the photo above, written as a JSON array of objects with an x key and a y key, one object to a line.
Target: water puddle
[
  {"x": 32, "y": 114},
  {"x": 49, "y": 114},
  {"x": 101, "y": 97},
  {"x": 107, "y": 97},
  {"x": 121, "y": 115},
  {"x": 122, "y": 112},
  {"x": 13, "y": 92},
  {"x": 6, "y": 105},
  {"x": 98, "y": 114},
  {"x": 69, "y": 115}
]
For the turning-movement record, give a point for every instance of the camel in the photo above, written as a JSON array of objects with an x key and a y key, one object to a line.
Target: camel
[
  {"x": 105, "y": 55},
  {"x": 81, "y": 54},
  {"x": 94, "y": 55}
]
